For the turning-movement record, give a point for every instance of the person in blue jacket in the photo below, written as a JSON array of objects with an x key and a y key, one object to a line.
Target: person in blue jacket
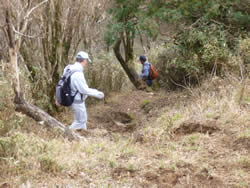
[{"x": 145, "y": 70}]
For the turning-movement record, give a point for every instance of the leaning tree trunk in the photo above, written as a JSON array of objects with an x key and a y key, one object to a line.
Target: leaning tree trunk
[
  {"x": 128, "y": 67},
  {"x": 43, "y": 117},
  {"x": 21, "y": 105}
]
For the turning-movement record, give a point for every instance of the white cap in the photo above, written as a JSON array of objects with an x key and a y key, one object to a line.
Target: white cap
[{"x": 83, "y": 55}]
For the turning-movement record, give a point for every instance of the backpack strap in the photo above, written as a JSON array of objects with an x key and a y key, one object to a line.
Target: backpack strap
[
  {"x": 72, "y": 72},
  {"x": 149, "y": 78}
]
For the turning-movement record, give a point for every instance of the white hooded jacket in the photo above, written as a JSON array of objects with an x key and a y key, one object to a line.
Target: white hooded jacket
[{"x": 78, "y": 83}]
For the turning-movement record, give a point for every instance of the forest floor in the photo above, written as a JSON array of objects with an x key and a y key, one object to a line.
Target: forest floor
[{"x": 197, "y": 137}]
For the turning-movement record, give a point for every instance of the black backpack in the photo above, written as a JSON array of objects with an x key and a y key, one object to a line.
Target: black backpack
[{"x": 63, "y": 89}]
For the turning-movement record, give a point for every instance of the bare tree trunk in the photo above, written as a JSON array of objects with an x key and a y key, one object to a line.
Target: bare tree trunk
[
  {"x": 13, "y": 56},
  {"x": 21, "y": 105}
]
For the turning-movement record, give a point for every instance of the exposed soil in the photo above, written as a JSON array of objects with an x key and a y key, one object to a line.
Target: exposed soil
[
  {"x": 193, "y": 126},
  {"x": 4, "y": 185},
  {"x": 129, "y": 114},
  {"x": 123, "y": 172},
  {"x": 242, "y": 142},
  {"x": 124, "y": 115},
  {"x": 162, "y": 178},
  {"x": 167, "y": 178}
]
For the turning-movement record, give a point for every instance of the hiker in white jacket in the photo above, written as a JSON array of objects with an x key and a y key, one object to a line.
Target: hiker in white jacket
[{"x": 80, "y": 88}]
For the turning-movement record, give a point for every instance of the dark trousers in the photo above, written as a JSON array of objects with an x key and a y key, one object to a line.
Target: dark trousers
[{"x": 149, "y": 82}]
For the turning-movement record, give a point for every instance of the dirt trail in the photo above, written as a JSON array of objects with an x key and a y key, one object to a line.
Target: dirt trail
[
  {"x": 202, "y": 152},
  {"x": 123, "y": 113}
]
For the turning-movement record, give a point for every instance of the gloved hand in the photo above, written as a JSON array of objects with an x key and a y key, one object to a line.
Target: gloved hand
[{"x": 100, "y": 95}]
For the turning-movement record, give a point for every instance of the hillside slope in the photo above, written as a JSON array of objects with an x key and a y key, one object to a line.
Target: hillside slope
[{"x": 192, "y": 138}]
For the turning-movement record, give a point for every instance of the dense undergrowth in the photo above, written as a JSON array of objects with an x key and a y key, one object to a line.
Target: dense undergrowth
[
  {"x": 193, "y": 137},
  {"x": 194, "y": 131}
]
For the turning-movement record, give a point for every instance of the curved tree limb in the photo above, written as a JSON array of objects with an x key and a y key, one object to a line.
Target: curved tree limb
[{"x": 130, "y": 71}]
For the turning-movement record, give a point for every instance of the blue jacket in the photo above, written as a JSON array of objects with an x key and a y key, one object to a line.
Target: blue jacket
[{"x": 145, "y": 70}]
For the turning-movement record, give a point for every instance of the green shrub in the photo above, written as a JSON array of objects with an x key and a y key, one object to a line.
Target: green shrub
[
  {"x": 207, "y": 34},
  {"x": 8, "y": 148},
  {"x": 197, "y": 54},
  {"x": 48, "y": 164},
  {"x": 204, "y": 49}
]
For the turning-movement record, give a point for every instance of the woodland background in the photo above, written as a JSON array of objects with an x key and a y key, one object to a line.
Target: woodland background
[{"x": 199, "y": 47}]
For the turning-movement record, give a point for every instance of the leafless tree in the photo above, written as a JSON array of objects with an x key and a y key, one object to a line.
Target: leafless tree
[
  {"x": 14, "y": 32},
  {"x": 62, "y": 27}
]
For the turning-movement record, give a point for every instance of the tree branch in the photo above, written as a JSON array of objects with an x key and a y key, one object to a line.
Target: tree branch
[
  {"x": 9, "y": 31},
  {"x": 35, "y": 7},
  {"x": 19, "y": 33},
  {"x": 28, "y": 14}
]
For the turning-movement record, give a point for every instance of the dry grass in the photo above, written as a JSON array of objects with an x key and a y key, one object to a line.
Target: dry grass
[{"x": 193, "y": 138}]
